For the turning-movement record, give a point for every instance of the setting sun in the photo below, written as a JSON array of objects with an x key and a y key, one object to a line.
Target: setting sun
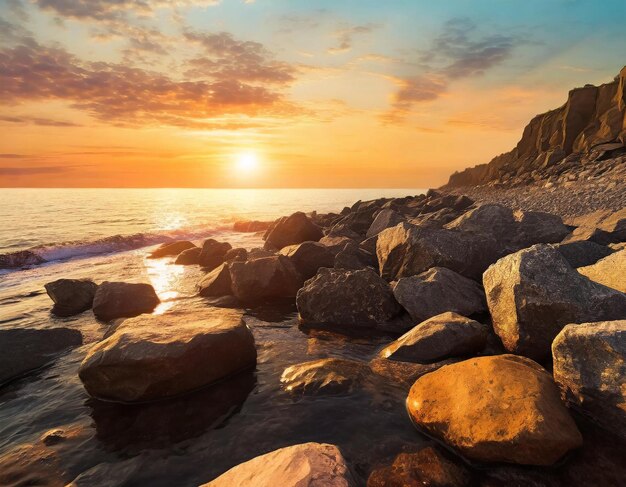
[{"x": 246, "y": 163}]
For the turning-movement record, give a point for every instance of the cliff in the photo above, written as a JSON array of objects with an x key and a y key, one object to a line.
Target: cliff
[{"x": 591, "y": 125}]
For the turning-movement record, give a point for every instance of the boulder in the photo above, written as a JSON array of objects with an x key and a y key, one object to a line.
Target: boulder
[
  {"x": 610, "y": 271},
  {"x": 534, "y": 293},
  {"x": 265, "y": 278},
  {"x": 439, "y": 290},
  {"x": 327, "y": 376},
  {"x": 294, "y": 229},
  {"x": 440, "y": 337},
  {"x": 71, "y": 296},
  {"x": 308, "y": 257},
  {"x": 189, "y": 257},
  {"x": 502, "y": 408},
  {"x": 308, "y": 464},
  {"x": 384, "y": 219},
  {"x": 603, "y": 227},
  {"x": 590, "y": 367},
  {"x": 171, "y": 248},
  {"x": 404, "y": 374},
  {"x": 258, "y": 253},
  {"x": 426, "y": 467},
  {"x": 353, "y": 257},
  {"x": 335, "y": 244},
  {"x": 216, "y": 283},
  {"x": 236, "y": 255},
  {"x": 23, "y": 350},
  {"x": 213, "y": 253},
  {"x": 123, "y": 300},
  {"x": 583, "y": 252},
  {"x": 346, "y": 298},
  {"x": 157, "y": 356}
]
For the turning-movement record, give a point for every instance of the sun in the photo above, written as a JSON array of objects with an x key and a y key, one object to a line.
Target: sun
[{"x": 246, "y": 163}]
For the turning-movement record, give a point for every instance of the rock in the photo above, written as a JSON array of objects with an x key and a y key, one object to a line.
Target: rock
[
  {"x": 308, "y": 257},
  {"x": 123, "y": 300},
  {"x": 236, "y": 255},
  {"x": 427, "y": 467},
  {"x": 327, "y": 376},
  {"x": 308, "y": 464},
  {"x": 21, "y": 258},
  {"x": 171, "y": 248},
  {"x": 265, "y": 278},
  {"x": 533, "y": 293},
  {"x": 384, "y": 219},
  {"x": 23, "y": 350},
  {"x": 404, "y": 373},
  {"x": 502, "y": 408},
  {"x": 440, "y": 337},
  {"x": 189, "y": 257},
  {"x": 353, "y": 257},
  {"x": 583, "y": 252},
  {"x": 610, "y": 271},
  {"x": 439, "y": 290},
  {"x": 213, "y": 253},
  {"x": 258, "y": 253},
  {"x": 369, "y": 245},
  {"x": 346, "y": 298},
  {"x": 590, "y": 367},
  {"x": 157, "y": 356},
  {"x": 293, "y": 229},
  {"x": 71, "y": 296},
  {"x": 251, "y": 226},
  {"x": 216, "y": 283},
  {"x": 335, "y": 244},
  {"x": 602, "y": 227}
]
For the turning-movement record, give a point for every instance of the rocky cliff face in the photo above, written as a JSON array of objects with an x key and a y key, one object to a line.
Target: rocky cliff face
[{"x": 590, "y": 126}]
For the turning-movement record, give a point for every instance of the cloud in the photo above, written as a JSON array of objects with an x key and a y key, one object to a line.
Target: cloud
[
  {"x": 345, "y": 37},
  {"x": 12, "y": 156},
  {"x": 28, "y": 171},
  {"x": 38, "y": 121}
]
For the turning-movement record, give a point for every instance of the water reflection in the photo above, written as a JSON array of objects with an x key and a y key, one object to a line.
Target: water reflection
[{"x": 166, "y": 280}]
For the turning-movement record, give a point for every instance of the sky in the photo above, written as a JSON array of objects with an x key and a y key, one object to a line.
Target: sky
[{"x": 285, "y": 93}]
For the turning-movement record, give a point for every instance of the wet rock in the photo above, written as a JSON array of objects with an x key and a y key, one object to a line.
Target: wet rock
[
  {"x": 503, "y": 408},
  {"x": 21, "y": 258},
  {"x": 583, "y": 252},
  {"x": 189, "y": 257},
  {"x": 590, "y": 366},
  {"x": 216, "y": 283},
  {"x": 384, "y": 219},
  {"x": 171, "y": 248},
  {"x": 23, "y": 350},
  {"x": 439, "y": 290},
  {"x": 353, "y": 257},
  {"x": 404, "y": 373},
  {"x": 533, "y": 293},
  {"x": 264, "y": 278},
  {"x": 307, "y": 464},
  {"x": 440, "y": 337},
  {"x": 294, "y": 229},
  {"x": 213, "y": 253},
  {"x": 236, "y": 255},
  {"x": 427, "y": 467},
  {"x": 71, "y": 296},
  {"x": 324, "y": 376},
  {"x": 157, "y": 356},
  {"x": 610, "y": 271},
  {"x": 346, "y": 298},
  {"x": 308, "y": 257},
  {"x": 123, "y": 300}
]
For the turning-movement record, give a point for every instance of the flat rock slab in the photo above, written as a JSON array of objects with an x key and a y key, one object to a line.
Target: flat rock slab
[
  {"x": 25, "y": 350},
  {"x": 308, "y": 464},
  {"x": 157, "y": 356},
  {"x": 503, "y": 408}
]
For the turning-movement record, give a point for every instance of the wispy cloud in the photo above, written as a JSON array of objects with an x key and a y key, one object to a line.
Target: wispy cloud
[{"x": 345, "y": 37}]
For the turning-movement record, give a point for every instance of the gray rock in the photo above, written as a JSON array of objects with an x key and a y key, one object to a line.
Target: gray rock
[
  {"x": 534, "y": 293},
  {"x": 123, "y": 300},
  {"x": 353, "y": 257},
  {"x": 583, "y": 252},
  {"x": 308, "y": 257},
  {"x": 216, "y": 283},
  {"x": 610, "y": 271},
  {"x": 384, "y": 219},
  {"x": 213, "y": 253},
  {"x": 590, "y": 366},
  {"x": 294, "y": 229},
  {"x": 264, "y": 279},
  {"x": 440, "y": 337},
  {"x": 71, "y": 296},
  {"x": 439, "y": 290}
]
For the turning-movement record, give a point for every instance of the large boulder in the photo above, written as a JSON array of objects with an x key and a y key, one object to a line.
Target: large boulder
[
  {"x": 71, "y": 296},
  {"x": 534, "y": 293},
  {"x": 23, "y": 350},
  {"x": 583, "y": 252},
  {"x": 346, "y": 298},
  {"x": 123, "y": 300},
  {"x": 293, "y": 229},
  {"x": 213, "y": 253},
  {"x": 189, "y": 257},
  {"x": 354, "y": 257},
  {"x": 439, "y": 290},
  {"x": 335, "y": 244},
  {"x": 590, "y": 368},
  {"x": 329, "y": 376},
  {"x": 440, "y": 337},
  {"x": 264, "y": 279},
  {"x": 384, "y": 219},
  {"x": 308, "y": 257},
  {"x": 216, "y": 283},
  {"x": 157, "y": 356},
  {"x": 610, "y": 271},
  {"x": 602, "y": 227},
  {"x": 308, "y": 464},
  {"x": 171, "y": 248},
  {"x": 502, "y": 408}
]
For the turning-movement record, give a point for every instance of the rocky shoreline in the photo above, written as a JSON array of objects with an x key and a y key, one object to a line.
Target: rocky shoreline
[{"x": 506, "y": 327}]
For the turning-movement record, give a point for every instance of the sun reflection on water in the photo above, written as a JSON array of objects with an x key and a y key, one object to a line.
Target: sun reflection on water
[{"x": 165, "y": 278}]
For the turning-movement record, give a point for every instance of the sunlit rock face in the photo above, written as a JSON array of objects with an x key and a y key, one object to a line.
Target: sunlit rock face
[
  {"x": 503, "y": 408},
  {"x": 171, "y": 249},
  {"x": 610, "y": 271},
  {"x": 290, "y": 230},
  {"x": 590, "y": 368},
  {"x": 325, "y": 376},
  {"x": 157, "y": 356}
]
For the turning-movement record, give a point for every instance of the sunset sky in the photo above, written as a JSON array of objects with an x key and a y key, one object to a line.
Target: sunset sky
[{"x": 285, "y": 93}]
